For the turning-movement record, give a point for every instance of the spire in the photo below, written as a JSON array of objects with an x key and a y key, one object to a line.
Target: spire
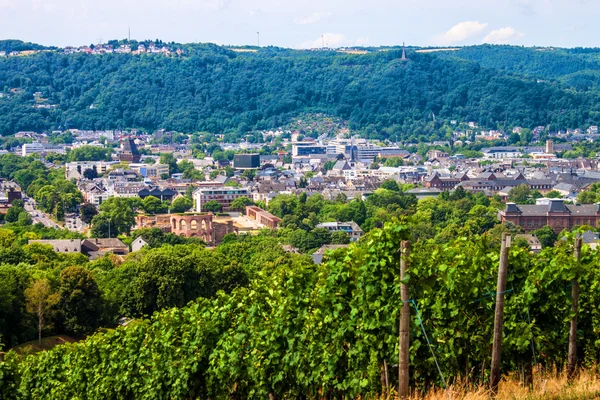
[{"x": 403, "y": 53}]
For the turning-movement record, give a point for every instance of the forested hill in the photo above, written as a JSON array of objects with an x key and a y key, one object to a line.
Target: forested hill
[
  {"x": 578, "y": 68},
  {"x": 214, "y": 89}
]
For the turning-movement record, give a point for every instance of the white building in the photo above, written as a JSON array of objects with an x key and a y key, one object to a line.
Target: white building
[
  {"x": 32, "y": 148},
  {"x": 150, "y": 170},
  {"x": 222, "y": 195},
  {"x": 350, "y": 228},
  {"x": 502, "y": 152}
]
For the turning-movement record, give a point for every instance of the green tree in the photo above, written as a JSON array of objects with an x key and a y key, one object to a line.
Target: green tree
[
  {"x": 181, "y": 204},
  {"x": 87, "y": 211},
  {"x": 240, "y": 204},
  {"x": 90, "y": 173},
  {"x": 212, "y": 206},
  {"x": 116, "y": 215},
  {"x": 587, "y": 197},
  {"x": 89, "y": 153},
  {"x": 520, "y": 194},
  {"x": 546, "y": 236},
  {"x": 170, "y": 160},
  {"x": 152, "y": 205},
  {"x": 80, "y": 300},
  {"x": 40, "y": 301},
  {"x": 339, "y": 237},
  {"x": 12, "y": 214},
  {"x": 24, "y": 218},
  {"x": 390, "y": 184}
]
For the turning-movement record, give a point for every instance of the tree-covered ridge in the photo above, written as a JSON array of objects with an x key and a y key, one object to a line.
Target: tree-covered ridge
[
  {"x": 9, "y": 45},
  {"x": 578, "y": 68},
  {"x": 215, "y": 89}
]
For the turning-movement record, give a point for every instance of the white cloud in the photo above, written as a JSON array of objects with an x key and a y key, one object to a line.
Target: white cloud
[
  {"x": 328, "y": 39},
  {"x": 215, "y": 5},
  {"x": 460, "y": 32},
  {"x": 312, "y": 18},
  {"x": 7, "y": 3},
  {"x": 503, "y": 36}
]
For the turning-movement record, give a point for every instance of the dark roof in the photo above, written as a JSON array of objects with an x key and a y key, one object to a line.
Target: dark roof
[
  {"x": 512, "y": 207},
  {"x": 94, "y": 244},
  {"x": 556, "y": 206},
  {"x": 130, "y": 147}
]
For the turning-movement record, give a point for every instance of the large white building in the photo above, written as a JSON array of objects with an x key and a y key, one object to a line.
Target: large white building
[
  {"x": 222, "y": 195},
  {"x": 32, "y": 148}
]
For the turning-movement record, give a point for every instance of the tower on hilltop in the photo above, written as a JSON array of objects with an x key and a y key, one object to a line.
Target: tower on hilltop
[{"x": 404, "y": 53}]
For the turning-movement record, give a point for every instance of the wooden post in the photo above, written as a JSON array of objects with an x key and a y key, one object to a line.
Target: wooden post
[
  {"x": 499, "y": 317},
  {"x": 404, "y": 338},
  {"x": 572, "y": 360}
]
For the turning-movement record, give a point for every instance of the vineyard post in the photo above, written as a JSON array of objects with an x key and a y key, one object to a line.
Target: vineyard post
[
  {"x": 404, "y": 338},
  {"x": 499, "y": 316},
  {"x": 572, "y": 359}
]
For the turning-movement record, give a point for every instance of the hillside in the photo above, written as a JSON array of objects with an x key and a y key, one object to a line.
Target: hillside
[
  {"x": 578, "y": 68},
  {"x": 215, "y": 89}
]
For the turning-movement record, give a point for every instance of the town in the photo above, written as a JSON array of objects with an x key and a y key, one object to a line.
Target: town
[{"x": 208, "y": 190}]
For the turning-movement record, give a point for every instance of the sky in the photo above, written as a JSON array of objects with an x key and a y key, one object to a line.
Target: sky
[{"x": 306, "y": 23}]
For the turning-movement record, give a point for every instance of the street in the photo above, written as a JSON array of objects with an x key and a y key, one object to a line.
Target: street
[{"x": 36, "y": 215}]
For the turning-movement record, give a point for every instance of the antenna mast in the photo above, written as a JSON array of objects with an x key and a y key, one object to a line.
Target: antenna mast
[{"x": 258, "y": 38}]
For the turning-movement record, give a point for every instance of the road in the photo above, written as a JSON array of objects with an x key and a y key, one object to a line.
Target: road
[
  {"x": 38, "y": 216},
  {"x": 74, "y": 223}
]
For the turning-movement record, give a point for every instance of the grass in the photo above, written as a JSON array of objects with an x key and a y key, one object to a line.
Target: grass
[{"x": 546, "y": 385}]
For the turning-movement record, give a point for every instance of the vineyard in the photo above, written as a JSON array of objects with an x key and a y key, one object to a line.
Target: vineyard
[{"x": 300, "y": 330}]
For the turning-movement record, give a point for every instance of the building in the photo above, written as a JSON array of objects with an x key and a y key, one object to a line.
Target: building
[
  {"x": 555, "y": 214},
  {"x": 129, "y": 152},
  {"x": 138, "y": 244},
  {"x": 263, "y": 217},
  {"x": 65, "y": 246},
  {"x": 444, "y": 183},
  {"x": 350, "y": 228},
  {"x": 194, "y": 225},
  {"x": 162, "y": 195},
  {"x": 502, "y": 152},
  {"x": 150, "y": 170},
  {"x": 75, "y": 170},
  {"x": 246, "y": 161},
  {"x": 222, "y": 195},
  {"x": 307, "y": 149},
  {"x": 535, "y": 246},
  {"x": 93, "y": 248},
  {"x": 32, "y": 148},
  {"x": 202, "y": 226}
]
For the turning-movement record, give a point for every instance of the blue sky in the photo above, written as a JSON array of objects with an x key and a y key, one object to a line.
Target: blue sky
[{"x": 301, "y": 24}]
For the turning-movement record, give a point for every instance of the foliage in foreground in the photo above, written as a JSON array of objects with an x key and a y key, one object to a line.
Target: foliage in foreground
[{"x": 305, "y": 330}]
